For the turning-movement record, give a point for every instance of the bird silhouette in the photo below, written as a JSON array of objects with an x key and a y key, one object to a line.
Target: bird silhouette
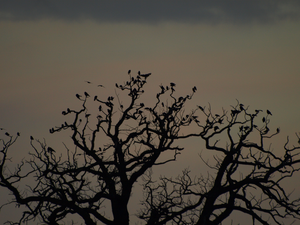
[
  {"x": 31, "y": 138},
  {"x": 18, "y": 133},
  {"x": 86, "y": 94},
  {"x": 100, "y": 85},
  {"x": 139, "y": 73},
  {"x": 200, "y": 107},
  {"x": 172, "y": 84},
  {"x": 268, "y": 112},
  {"x": 194, "y": 89},
  {"x": 78, "y": 96},
  {"x": 241, "y": 107},
  {"x": 95, "y": 98},
  {"x": 7, "y": 134},
  {"x": 88, "y": 82},
  {"x": 145, "y": 75},
  {"x": 50, "y": 150},
  {"x": 129, "y": 71}
]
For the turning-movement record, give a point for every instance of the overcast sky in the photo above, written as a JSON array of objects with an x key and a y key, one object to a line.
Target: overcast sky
[
  {"x": 245, "y": 50},
  {"x": 201, "y": 11}
]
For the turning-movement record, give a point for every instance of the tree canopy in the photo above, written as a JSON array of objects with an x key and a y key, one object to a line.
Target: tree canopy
[{"x": 118, "y": 142}]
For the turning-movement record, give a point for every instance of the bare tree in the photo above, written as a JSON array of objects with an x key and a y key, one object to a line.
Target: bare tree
[
  {"x": 247, "y": 176},
  {"x": 117, "y": 144},
  {"x": 113, "y": 147}
]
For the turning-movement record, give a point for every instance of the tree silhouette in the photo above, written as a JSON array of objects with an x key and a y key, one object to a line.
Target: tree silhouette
[
  {"x": 118, "y": 144},
  {"x": 247, "y": 177}
]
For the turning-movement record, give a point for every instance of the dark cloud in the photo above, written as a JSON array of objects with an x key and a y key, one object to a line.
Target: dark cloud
[{"x": 145, "y": 11}]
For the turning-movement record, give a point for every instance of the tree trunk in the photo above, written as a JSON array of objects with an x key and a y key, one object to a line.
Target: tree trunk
[{"x": 120, "y": 211}]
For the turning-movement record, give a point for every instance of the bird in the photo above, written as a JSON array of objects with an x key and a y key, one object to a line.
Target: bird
[
  {"x": 172, "y": 84},
  {"x": 7, "y": 134},
  {"x": 100, "y": 85},
  {"x": 139, "y": 73},
  {"x": 78, "y": 96},
  {"x": 200, "y": 107},
  {"x": 88, "y": 82},
  {"x": 278, "y": 130},
  {"x": 31, "y": 138},
  {"x": 241, "y": 107},
  {"x": 264, "y": 119},
  {"x": 95, "y": 98},
  {"x": 50, "y": 150},
  {"x": 234, "y": 112},
  {"x": 129, "y": 71},
  {"x": 268, "y": 112},
  {"x": 145, "y": 75},
  {"x": 194, "y": 89},
  {"x": 86, "y": 94},
  {"x": 18, "y": 133}
]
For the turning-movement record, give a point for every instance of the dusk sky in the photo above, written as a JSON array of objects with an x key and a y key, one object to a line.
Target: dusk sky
[{"x": 230, "y": 49}]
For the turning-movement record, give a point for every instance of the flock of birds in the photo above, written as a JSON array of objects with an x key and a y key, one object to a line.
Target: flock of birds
[{"x": 145, "y": 76}]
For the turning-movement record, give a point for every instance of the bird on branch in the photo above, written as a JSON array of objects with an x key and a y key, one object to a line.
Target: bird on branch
[{"x": 145, "y": 75}]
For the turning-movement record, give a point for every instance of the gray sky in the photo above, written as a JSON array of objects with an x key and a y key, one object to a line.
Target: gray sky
[
  {"x": 201, "y": 11},
  {"x": 245, "y": 50}
]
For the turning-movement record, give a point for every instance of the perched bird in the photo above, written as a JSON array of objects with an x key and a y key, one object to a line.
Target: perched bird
[
  {"x": 95, "y": 98},
  {"x": 172, "y": 84},
  {"x": 129, "y": 71},
  {"x": 7, "y": 134},
  {"x": 200, "y": 107},
  {"x": 18, "y": 133},
  {"x": 264, "y": 119},
  {"x": 194, "y": 89},
  {"x": 86, "y": 94},
  {"x": 145, "y": 75},
  {"x": 117, "y": 85},
  {"x": 139, "y": 73},
  {"x": 278, "y": 130},
  {"x": 268, "y": 112},
  {"x": 31, "y": 138},
  {"x": 241, "y": 107},
  {"x": 234, "y": 112},
  {"x": 50, "y": 150},
  {"x": 100, "y": 107},
  {"x": 78, "y": 96}
]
